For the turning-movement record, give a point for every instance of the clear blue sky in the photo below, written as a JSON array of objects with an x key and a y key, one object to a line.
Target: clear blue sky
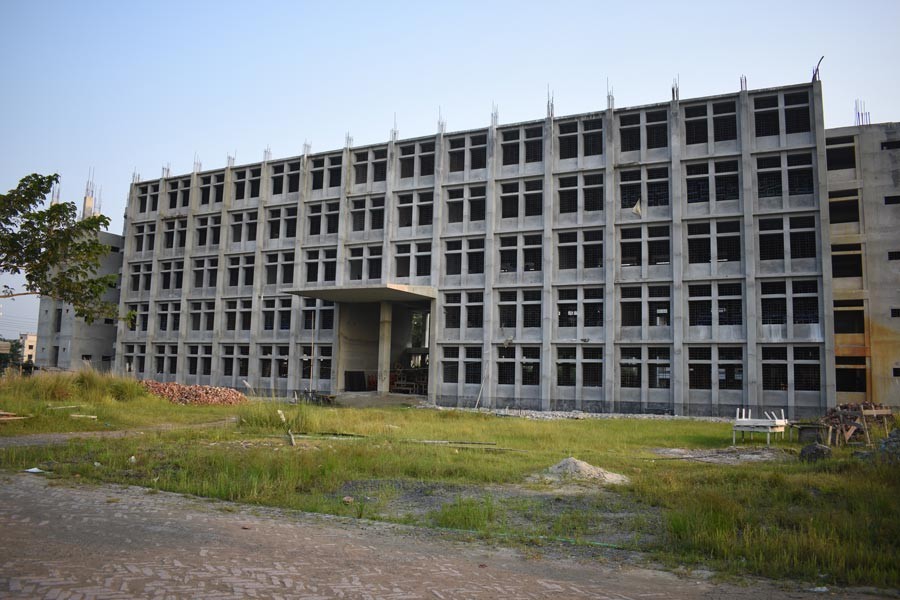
[{"x": 125, "y": 86}]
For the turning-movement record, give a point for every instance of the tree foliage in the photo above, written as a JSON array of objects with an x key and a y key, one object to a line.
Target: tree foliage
[
  {"x": 56, "y": 252},
  {"x": 13, "y": 357}
]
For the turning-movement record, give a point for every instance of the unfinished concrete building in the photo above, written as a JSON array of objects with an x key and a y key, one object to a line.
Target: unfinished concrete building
[
  {"x": 67, "y": 342},
  {"x": 864, "y": 215},
  {"x": 669, "y": 258}
]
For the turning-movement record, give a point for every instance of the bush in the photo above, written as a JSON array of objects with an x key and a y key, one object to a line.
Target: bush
[
  {"x": 124, "y": 390},
  {"x": 54, "y": 387},
  {"x": 91, "y": 382},
  {"x": 85, "y": 385}
]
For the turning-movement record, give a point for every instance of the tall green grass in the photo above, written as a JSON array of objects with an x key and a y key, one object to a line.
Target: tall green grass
[
  {"x": 470, "y": 514},
  {"x": 116, "y": 402},
  {"x": 837, "y": 521},
  {"x": 85, "y": 386},
  {"x": 262, "y": 416}
]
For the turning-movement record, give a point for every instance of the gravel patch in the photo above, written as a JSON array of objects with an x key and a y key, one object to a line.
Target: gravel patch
[
  {"x": 557, "y": 415},
  {"x": 732, "y": 455}
]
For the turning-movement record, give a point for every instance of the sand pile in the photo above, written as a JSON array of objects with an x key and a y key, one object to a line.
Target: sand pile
[{"x": 574, "y": 469}]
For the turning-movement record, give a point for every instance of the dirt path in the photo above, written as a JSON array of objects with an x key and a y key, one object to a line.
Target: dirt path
[
  {"x": 51, "y": 439},
  {"x": 81, "y": 541}
]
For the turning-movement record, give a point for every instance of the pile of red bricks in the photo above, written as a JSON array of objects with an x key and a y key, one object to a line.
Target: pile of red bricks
[{"x": 194, "y": 394}]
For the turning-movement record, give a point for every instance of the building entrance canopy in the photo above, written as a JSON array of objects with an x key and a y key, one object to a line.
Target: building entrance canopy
[
  {"x": 390, "y": 292},
  {"x": 383, "y": 335}
]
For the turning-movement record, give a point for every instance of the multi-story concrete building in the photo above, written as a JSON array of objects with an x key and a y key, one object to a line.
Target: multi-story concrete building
[
  {"x": 670, "y": 258},
  {"x": 864, "y": 210},
  {"x": 67, "y": 342},
  {"x": 28, "y": 341}
]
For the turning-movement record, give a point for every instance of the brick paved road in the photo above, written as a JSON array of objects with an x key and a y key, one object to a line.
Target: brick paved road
[{"x": 62, "y": 541}]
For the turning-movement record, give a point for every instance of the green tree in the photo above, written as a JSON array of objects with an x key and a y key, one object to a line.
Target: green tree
[
  {"x": 13, "y": 358},
  {"x": 57, "y": 253}
]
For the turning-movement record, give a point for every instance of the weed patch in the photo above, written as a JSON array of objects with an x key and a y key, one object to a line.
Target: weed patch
[
  {"x": 469, "y": 514},
  {"x": 48, "y": 399}
]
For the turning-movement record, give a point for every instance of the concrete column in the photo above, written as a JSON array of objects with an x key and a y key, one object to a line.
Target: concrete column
[
  {"x": 259, "y": 278},
  {"x": 391, "y": 180},
  {"x": 184, "y": 301},
  {"x": 488, "y": 360},
  {"x": 753, "y": 371},
  {"x": 339, "y": 363},
  {"x": 436, "y": 322},
  {"x": 827, "y": 361},
  {"x": 224, "y": 237},
  {"x": 256, "y": 298},
  {"x": 295, "y": 368},
  {"x": 342, "y": 271},
  {"x": 151, "y": 297},
  {"x": 435, "y": 325},
  {"x": 124, "y": 287},
  {"x": 384, "y": 348},
  {"x": 611, "y": 248},
  {"x": 678, "y": 364},
  {"x": 548, "y": 254}
]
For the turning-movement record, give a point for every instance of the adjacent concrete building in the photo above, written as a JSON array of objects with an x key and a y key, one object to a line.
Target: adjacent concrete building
[
  {"x": 29, "y": 344},
  {"x": 669, "y": 258},
  {"x": 864, "y": 211},
  {"x": 67, "y": 342}
]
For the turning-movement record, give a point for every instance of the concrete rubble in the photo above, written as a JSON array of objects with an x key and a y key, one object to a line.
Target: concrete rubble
[
  {"x": 888, "y": 449},
  {"x": 815, "y": 452}
]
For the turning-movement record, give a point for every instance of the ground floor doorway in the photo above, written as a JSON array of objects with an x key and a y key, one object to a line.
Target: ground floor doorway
[{"x": 384, "y": 346}]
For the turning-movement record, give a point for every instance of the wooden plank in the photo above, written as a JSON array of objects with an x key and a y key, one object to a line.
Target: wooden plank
[{"x": 877, "y": 412}]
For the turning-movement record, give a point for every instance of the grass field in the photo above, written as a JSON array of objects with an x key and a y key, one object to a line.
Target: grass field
[
  {"x": 835, "y": 522},
  {"x": 49, "y": 399}
]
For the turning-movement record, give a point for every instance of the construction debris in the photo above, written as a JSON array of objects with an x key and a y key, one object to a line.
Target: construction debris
[
  {"x": 888, "y": 449},
  {"x": 853, "y": 422},
  {"x": 194, "y": 394},
  {"x": 10, "y": 416}
]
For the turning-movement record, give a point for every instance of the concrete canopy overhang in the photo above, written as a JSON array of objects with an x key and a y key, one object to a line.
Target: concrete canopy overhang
[{"x": 390, "y": 292}]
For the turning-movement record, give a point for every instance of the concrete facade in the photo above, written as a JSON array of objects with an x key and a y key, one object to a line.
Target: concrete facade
[
  {"x": 669, "y": 258},
  {"x": 29, "y": 346},
  {"x": 67, "y": 342},
  {"x": 864, "y": 199}
]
